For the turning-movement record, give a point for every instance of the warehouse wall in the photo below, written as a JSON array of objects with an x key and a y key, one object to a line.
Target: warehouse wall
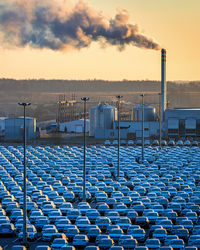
[
  {"x": 14, "y": 128},
  {"x": 74, "y": 126}
]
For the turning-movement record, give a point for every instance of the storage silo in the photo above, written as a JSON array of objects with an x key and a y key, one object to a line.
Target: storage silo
[
  {"x": 93, "y": 120},
  {"x": 149, "y": 113},
  {"x": 101, "y": 116}
]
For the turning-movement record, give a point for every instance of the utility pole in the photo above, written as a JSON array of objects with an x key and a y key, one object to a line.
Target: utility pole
[
  {"x": 84, "y": 99},
  {"x": 24, "y": 189}
]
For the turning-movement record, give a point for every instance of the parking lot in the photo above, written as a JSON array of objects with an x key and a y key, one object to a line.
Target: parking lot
[{"x": 153, "y": 204}]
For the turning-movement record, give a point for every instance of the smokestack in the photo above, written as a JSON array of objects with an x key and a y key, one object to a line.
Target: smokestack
[{"x": 163, "y": 83}]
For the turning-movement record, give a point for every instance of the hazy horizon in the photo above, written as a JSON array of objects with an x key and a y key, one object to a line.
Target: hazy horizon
[{"x": 104, "y": 80}]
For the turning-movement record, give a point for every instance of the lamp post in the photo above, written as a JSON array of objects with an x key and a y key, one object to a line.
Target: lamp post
[
  {"x": 84, "y": 99},
  {"x": 24, "y": 189},
  {"x": 142, "y": 95},
  {"x": 160, "y": 121},
  {"x": 118, "y": 108}
]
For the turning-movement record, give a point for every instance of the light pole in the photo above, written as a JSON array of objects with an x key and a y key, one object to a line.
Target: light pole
[
  {"x": 85, "y": 99},
  {"x": 118, "y": 108},
  {"x": 24, "y": 201},
  {"x": 142, "y": 95},
  {"x": 160, "y": 121}
]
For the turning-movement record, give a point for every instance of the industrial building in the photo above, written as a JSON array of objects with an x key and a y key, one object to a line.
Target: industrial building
[
  {"x": 182, "y": 122},
  {"x": 178, "y": 122},
  {"x": 2, "y": 125},
  {"x": 14, "y": 128},
  {"x": 74, "y": 126},
  {"x": 104, "y": 124}
]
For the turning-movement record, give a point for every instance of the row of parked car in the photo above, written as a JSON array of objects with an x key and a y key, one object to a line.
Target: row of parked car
[
  {"x": 153, "y": 204},
  {"x": 138, "y": 142}
]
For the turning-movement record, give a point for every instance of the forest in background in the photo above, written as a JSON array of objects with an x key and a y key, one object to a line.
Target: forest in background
[{"x": 44, "y": 94}]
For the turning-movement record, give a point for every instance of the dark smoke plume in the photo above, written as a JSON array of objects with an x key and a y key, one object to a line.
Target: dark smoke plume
[{"x": 57, "y": 25}]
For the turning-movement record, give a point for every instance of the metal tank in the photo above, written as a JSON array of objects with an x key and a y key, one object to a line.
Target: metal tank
[
  {"x": 149, "y": 113},
  {"x": 101, "y": 116},
  {"x": 92, "y": 120}
]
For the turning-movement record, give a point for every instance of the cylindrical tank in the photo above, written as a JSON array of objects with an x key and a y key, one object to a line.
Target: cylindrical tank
[
  {"x": 101, "y": 116},
  {"x": 149, "y": 113},
  {"x": 92, "y": 120}
]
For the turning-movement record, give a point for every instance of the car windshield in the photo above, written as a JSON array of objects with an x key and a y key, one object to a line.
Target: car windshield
[
  {"x": 59, "y": 241},
  {"x": 6, "y": 226},
  {"x": 50, "y": 230},
  {"x": 30, "y": 229}
]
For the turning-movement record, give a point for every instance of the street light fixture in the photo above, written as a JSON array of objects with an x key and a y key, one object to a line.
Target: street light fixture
[
  {"x": 24, "y": 189},
  {"x": 118, "y": 108},
  {"x": 84, "y": 99},
  {"x": 142, "y": 95}
]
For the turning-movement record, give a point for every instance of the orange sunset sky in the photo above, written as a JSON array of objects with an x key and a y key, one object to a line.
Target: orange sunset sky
[{"x": 173, "y": 24}]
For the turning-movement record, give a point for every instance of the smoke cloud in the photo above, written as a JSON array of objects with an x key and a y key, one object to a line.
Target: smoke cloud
[{"x": 57, "y": 25}]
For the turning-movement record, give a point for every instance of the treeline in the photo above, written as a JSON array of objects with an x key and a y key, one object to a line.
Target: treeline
[{"x": 91, "y": 85}]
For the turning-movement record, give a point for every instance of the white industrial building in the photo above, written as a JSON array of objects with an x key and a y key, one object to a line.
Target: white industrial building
[
  {"x": 179, "y": 122},
  {"x": 129, "y": 130},
  {"x": 182, "y": 122},
  {"x": 103, "y": 123},
  {"x": 74, "y": 126}
]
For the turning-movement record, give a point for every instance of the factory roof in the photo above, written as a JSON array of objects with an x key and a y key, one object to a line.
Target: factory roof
[
  {"x": 20, "y": 117},
  {"x": 29, "y": 118},
  {"x": 187, "y": 108},
  {"x": 183, "y": 113}
]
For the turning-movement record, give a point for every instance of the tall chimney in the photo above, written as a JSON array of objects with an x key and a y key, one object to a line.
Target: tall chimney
[{"x": 163, "y": 83}]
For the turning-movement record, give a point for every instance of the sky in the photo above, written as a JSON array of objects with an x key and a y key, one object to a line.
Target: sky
[{"x": 173, "y": 24}]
